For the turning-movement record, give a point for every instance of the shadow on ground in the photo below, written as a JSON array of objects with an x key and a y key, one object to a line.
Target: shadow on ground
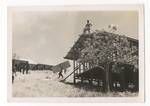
[{"x": 85, "y": 86}]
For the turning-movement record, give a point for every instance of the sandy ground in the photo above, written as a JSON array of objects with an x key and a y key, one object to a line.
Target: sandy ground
[{"x": 47, "y": 84}]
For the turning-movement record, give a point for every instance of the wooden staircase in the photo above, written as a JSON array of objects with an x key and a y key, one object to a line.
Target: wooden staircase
[
  {"x": 76, "y": 74},
  {"x": 70, "y": 74}
]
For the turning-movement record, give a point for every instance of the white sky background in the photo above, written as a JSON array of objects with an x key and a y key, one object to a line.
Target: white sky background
[{"x": 46, "y": 37}]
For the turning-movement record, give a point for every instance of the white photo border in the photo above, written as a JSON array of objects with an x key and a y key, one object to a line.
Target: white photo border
[{"x": 102, "y": 7}]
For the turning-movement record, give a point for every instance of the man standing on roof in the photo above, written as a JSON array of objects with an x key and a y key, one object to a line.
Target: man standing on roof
[{"x": 87, "y": 27}]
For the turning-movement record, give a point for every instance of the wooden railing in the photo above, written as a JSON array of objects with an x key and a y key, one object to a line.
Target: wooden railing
[
  {"x": 76, "y": 68},
  {"x": 76, "y": 71}
]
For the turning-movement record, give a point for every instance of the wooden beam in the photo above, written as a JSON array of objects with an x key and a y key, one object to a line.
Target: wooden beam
[
  {"x": 79, "y": 68},
  {"x": 74, "y": 80}
]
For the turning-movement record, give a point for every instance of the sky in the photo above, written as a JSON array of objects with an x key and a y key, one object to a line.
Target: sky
[{"x": 46, "y": 36}]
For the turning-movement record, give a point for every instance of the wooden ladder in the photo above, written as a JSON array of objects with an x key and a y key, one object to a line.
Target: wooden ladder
[{"x": 70, "y": 74}]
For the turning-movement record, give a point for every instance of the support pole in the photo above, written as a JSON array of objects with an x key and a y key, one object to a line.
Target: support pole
[
  {"x": 74, "y": 80},
  {"x": 83, "y": 66},
  {"x": 107, "y": 78},
  {"x": 98, "y": 83},
  {"x": 79, "y": 68}
]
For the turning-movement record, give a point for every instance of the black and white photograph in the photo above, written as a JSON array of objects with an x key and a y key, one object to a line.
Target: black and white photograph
[{"x": 75, "y": 53}]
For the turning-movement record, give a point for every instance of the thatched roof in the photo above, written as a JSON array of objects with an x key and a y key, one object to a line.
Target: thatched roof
[{"x": 74, "y": 53}]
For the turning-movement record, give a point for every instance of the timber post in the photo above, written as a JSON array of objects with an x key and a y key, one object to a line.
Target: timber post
[
  {"x": 107, "y": 89},
  {"x": 74, "y": 67},
  {"x": 74, "y": 80}
]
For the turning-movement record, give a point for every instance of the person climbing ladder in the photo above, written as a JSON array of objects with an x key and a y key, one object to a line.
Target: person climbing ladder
[{"x": 60, "y": 74}]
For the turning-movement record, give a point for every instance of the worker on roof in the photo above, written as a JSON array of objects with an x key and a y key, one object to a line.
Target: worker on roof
[{"x": 87, "y": 27}]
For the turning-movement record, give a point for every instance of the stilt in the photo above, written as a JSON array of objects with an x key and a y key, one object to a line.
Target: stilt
[
  {"x": 81, "y": 80},
  {"x": 98, "y": 83},
  {"x": 83, "y": 67},
  {"x": 79, "y": 68},
  {"x": 74, "y": 79},
  {"x": 91, "y": 81}
]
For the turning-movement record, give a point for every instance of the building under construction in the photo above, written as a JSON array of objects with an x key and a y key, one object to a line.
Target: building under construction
[{"x": 107, "y": 60}]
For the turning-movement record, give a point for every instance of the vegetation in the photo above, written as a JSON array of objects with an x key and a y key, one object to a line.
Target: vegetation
[{"x": 46, "y": 84}]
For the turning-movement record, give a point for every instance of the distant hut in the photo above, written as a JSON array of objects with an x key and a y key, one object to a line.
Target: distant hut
[
  {"x": 32, "y": 66},
  {"x": 61, "y": 66},
  {"x": 43, "y": 67},
  {"x": 20, "y": 65}
]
